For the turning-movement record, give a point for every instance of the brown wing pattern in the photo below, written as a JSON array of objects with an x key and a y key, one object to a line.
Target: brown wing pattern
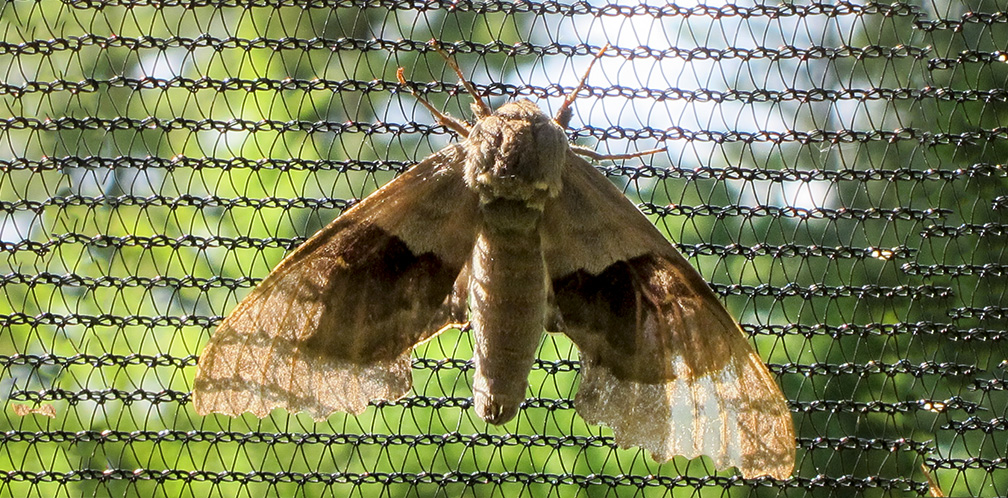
[
  {"x": 663, "y": 363},
  {"x": 332, "y": 327},
  {"x": 616, "y": 231}
]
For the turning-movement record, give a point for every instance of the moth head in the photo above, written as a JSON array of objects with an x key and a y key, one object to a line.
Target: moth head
[{"x": 516, "y": 153}]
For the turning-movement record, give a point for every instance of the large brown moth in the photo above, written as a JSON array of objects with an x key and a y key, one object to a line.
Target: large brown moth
[{"x": 513, "y": 233}]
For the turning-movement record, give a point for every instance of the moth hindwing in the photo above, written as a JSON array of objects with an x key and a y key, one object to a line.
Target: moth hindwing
[{"x": 514, "y": 232}]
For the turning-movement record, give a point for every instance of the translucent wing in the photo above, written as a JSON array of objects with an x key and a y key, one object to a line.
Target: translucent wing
[
  {"x": 332, "y": 326},
  {"x": 663, "y": 363}
]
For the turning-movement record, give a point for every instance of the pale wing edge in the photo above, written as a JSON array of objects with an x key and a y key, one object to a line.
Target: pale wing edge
[{"x": 737, "y": 416}]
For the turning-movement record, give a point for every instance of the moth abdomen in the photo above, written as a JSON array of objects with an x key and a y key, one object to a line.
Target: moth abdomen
[{"x": 507, "y": 300}]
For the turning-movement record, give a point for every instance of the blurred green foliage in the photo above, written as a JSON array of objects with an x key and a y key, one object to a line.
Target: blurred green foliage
[{"x": 876, "y": 291}]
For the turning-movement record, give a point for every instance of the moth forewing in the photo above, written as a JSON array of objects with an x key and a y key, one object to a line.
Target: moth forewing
[
  {"x": 331, "y": 328},
  {"x": 663, "y": 363}
]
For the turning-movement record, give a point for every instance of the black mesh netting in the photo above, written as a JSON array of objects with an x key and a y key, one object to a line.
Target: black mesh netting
[{"x": 836, "y": 171}]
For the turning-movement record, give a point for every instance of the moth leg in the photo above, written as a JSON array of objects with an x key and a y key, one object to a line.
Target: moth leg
[
  {"x": 479, "y": 107},
  {"x": 455, "y": 125},
  {"x": 454, "y": 311},
  {"x": 554, "y": 319},
  {"x": 591, "y": 154}
]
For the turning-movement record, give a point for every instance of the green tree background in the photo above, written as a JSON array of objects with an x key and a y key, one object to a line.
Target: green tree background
[{"x": 836, "y": 172}]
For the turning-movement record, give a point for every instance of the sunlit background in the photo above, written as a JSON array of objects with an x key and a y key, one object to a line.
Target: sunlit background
[{"x": 836, "y": 171}]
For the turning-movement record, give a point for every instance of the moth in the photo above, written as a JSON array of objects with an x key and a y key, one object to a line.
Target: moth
[{"x": 513, "y": 233}]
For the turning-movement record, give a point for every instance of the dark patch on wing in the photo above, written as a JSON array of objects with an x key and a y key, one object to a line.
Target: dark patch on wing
[
  {"x": 606, "y": 303},
  {"x": 638, "y": 316},
  {"x": 605, "y": 316},
  {"x": 376, "y": 284}
]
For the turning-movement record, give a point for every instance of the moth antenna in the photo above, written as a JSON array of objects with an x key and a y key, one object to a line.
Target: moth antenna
[
  {"x": 481, "y": 109},
  {"x": 563, "y": 115},
  {"x": 591, "y": 154},
  {"x": 446, "y": 120}
]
